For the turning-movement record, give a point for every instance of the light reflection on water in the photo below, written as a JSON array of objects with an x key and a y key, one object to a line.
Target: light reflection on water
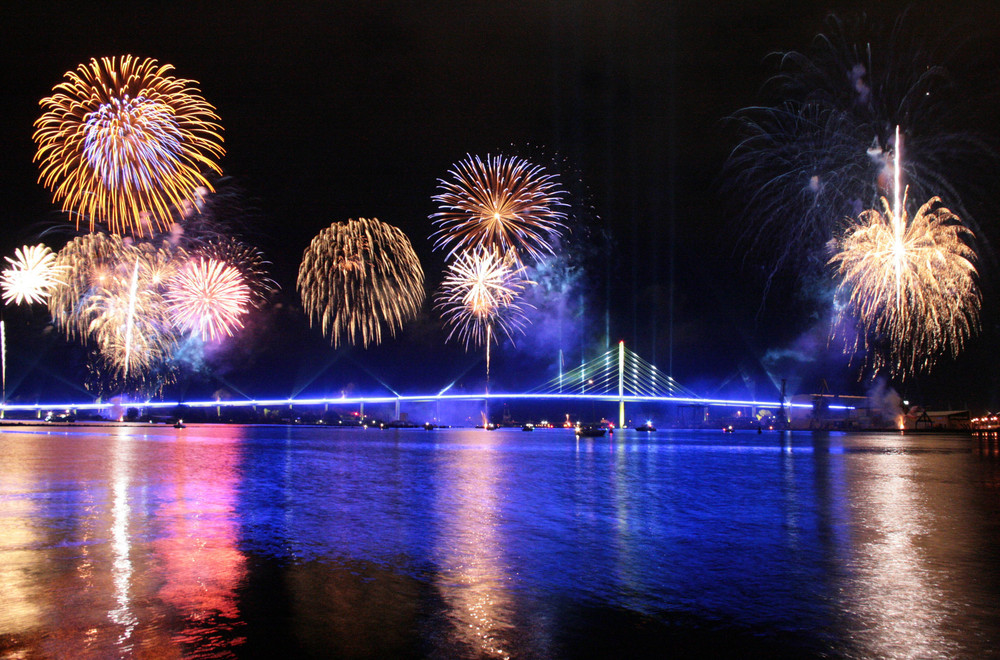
[{"x": 235, "y": 541}]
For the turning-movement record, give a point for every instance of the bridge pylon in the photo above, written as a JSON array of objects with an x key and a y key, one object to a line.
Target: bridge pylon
[
  {"x": 621, "y": 384},
  {"x": 617, "y": 373}
]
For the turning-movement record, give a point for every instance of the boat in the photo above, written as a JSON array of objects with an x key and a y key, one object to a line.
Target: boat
[
  {"x": 590, "y": 430},
  {"x": 645, "y": 427},
  {"x": 179, "y": 424},
  {"x": 528, "y": 427}
]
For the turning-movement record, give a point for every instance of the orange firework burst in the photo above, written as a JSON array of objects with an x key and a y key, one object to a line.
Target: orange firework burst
[
  {"x": 911, "y": 285},
  {"x": 209, "y": 298},
  {"x": 504, "y": 203},
  {"x": 124, "y": 143}
]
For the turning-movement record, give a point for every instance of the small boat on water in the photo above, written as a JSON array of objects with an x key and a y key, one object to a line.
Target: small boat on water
[
  {"x": 179, "y": 424},
  {"x": 590, "y": 430},
  {"x": 528, "y": 427},
  {"x": 645, "y": 427}
]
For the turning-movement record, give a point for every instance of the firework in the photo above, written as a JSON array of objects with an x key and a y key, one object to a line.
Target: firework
[
  {"x": 123, "y": 142},
  {"x": 823, "y": 148},
  {"x": 90, "y": 263},
  {"x": 479, "y": 295},
  {"x": 911, "y": 285},
  {"x": 127, "y": 316},
  {"x": 360, "y": 278},
  {"x": 112, "y": 298},
  {"x": 32, "y": 275},
  {"x": 208, "y": 298},
  {"x": 504, "y": 203},
  {"x": 246, "y": 259}
]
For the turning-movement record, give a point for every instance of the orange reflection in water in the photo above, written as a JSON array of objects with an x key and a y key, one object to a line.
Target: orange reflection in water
[
  {"x": 21, "y": 597},
  {"x": 474, "y": 575},
  {"x": 117, "y": 545}
]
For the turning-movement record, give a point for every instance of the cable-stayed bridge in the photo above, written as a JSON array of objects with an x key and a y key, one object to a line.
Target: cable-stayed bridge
[{"x": 619, "y": 375}]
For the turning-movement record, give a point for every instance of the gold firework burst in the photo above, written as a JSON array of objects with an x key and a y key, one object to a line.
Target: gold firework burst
[
  {"x": 360, "y": 278},
  {"x": 911, "y": 285}
]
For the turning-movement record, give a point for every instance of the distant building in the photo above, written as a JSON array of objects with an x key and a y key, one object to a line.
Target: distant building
[
  {"x": 939, "y": 420},
  {"x": 834, "y": 412},
  {"x": 846, "y": 413}
]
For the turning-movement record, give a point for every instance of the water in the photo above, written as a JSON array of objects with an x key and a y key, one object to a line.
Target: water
[{"x": 215, "y": 541}]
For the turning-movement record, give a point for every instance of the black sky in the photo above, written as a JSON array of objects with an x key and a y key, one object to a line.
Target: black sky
[{"x": 334, "y": 110}]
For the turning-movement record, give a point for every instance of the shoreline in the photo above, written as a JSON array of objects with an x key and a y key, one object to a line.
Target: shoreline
[{"x": 170, "y": 424}]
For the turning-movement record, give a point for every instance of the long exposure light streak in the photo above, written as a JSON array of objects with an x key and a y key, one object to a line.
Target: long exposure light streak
[
  {"x": 130, "y": 317},
  {"x": 415, "y": 398},
  {"x": 911, "y": 284}
]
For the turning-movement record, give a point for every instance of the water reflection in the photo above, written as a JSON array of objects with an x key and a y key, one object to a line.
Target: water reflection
[
  {"x": 921, "y": 583},
  {"x": 233, "y": 542},
  {"x": 474, "y": 579},
  {"x": 121, "y": 566},
  {"x": 196, "y": 543},
  {"x": 897, "y": 602},
  {"x": 116, "y": 544},
  {"x": 22, "y": 594}
]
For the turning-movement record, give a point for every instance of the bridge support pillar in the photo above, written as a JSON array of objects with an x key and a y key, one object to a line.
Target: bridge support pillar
[
  {"x": 621, "y": 384},
  {"x": 397, "y": 408}
]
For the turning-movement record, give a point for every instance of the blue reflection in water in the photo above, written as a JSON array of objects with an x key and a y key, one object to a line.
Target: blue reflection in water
[
  {"x": 744, "y": 530},
  {"x": 230, "y": 541}
]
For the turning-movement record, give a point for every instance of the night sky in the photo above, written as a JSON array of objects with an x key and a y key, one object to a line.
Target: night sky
[{"x": 341, "y": 110}]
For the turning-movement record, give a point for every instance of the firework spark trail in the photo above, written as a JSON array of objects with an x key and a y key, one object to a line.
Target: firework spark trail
[
  {"x": 112, "y": 298},
  {"x": 504, "y": 203},
  {"x": 32, "y": 275},
  {"x": 360, "y": 278},
  {"x": 481, "y": 290},
  {"x": 911, "y": 285},
  {"x": 130, "y": 317},
  {"x": 208, "y": 298},
  {"x": 131, "y": 328},
  {"x": 90, "y": 262},
  {"x": 123, "y": 142}
]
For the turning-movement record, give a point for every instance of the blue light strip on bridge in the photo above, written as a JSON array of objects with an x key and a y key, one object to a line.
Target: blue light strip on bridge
[{"x": 404, "y": 398}]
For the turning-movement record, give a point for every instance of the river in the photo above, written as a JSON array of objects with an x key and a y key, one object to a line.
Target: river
[{"x": 256, "y": 541}]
